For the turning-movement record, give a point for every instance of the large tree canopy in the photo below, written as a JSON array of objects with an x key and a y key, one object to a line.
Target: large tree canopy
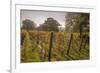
[
  {"x": 49, "y": 25},
  {"x": 77, "y": 22},
  {"x": 28, "y": 24}
]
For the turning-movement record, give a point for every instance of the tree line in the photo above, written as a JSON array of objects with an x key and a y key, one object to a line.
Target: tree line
[{"x": 74, "y": 22}]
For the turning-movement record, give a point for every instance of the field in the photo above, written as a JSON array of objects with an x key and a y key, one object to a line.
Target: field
[{"x": 42, "y": 46}]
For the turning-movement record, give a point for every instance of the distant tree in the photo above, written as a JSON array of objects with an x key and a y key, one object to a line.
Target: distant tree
[
  {"x": 28, "y": 24},
  {"x": 49, "y": 25},
  {"x": 42, "y": 27}
]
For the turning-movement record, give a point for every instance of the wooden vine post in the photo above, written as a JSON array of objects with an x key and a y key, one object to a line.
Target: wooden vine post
[
  {"x": 81, "y": 44},
  {"x": 69, "y": 45},
  {"x": 50, "y": 47}
]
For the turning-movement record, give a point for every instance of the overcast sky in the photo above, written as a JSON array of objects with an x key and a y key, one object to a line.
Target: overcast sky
[{"x": 40, "y": 16}]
